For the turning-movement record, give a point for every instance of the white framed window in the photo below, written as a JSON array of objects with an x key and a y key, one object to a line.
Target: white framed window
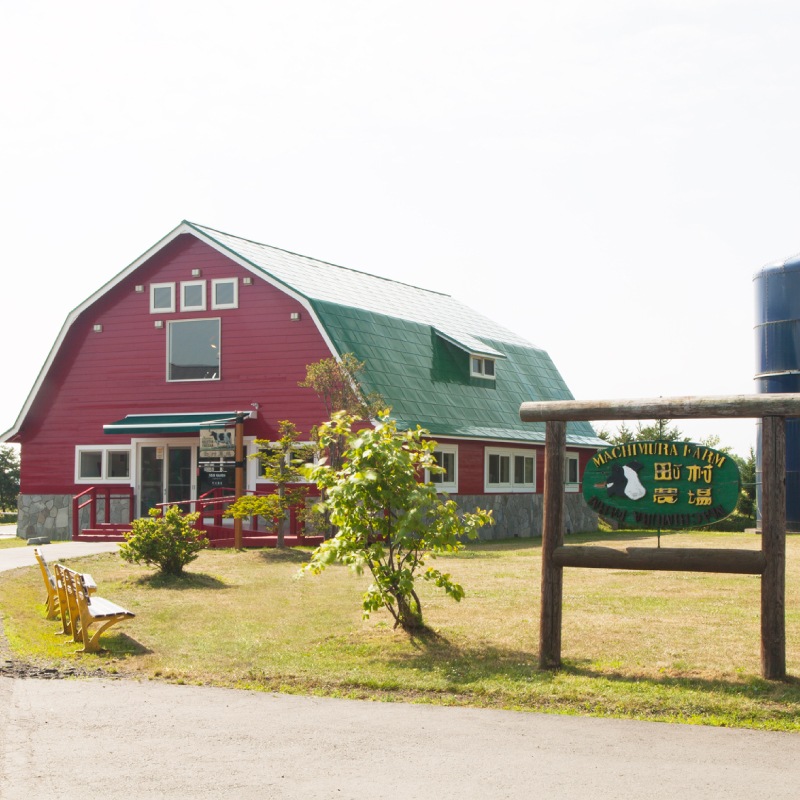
[
  {"x": 307, "y": 451},
  {"x": 193, "y": 350},
  {"x": 481, "y": 367},
  {"x": 162, "y": 298},
  {"x": 193, "y": 295},
  {"x": 224, "y": 293},
  {"x": 571, "y": 473},
  {"x": 102, "y": 464},
  {"x": 507, "y": 470},
  {"x": 446, "y": 456}
]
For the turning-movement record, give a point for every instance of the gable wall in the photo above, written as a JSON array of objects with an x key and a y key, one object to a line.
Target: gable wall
[{"x": 100, "y": 377}]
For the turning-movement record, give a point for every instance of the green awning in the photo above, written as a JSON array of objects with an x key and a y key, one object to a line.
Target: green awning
[{"x": 171, "y": 423}]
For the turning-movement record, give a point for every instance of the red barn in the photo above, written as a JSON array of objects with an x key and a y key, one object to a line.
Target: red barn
[{"x": 205, "y": 325}]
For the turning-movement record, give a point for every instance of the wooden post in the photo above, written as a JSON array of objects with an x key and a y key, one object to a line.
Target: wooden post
[
  {"x": 239, "y": 478},
  {"x": 773, "y": 545},
  {"x": 552, "y": 537}
]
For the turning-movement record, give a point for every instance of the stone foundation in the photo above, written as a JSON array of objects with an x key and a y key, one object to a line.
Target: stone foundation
[
  {"x": 520, "y": 515},
  {"x": 516, "y": 515},
  {"x": 50, "y": 515}
]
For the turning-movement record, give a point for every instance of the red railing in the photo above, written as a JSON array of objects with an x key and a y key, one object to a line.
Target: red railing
[
  {"x": 213, "y": 504},
  {"x": 91, "y": 496}
]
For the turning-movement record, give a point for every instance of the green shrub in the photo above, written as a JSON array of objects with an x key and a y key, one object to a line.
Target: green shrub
[{"x": 168, "y": 542}]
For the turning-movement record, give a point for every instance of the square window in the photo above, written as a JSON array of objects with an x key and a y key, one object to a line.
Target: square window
[
  {"x": 98, "y": 464},
  {"x": 446, "y": 457},
  {"x": 193, "y": 296},
  {"x": 193, "y": 350},
  {"x": 571, "y": 472},
  {"x": 508, "y": 470},
  {"x": 90, "y": 464},
  {"x": 481, "y": 367},
  {"x": 162, "y": 298},
  {"x": 119, "y": 462},
  {"x": 523, "y": 470},
  {"x": 225, "y": 293}
]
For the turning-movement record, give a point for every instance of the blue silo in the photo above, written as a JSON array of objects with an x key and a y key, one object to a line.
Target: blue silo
[{"x": 777, "y": 289}]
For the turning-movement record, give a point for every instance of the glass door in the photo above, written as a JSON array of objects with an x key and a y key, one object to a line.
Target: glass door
[
  {"x": 165, "y": 475},
  {"x": 151, "y": 478},
  {"x": 179, "y": 475}
]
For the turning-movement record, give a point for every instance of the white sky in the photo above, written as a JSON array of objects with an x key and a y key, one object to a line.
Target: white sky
[{"x": 602, "y": 177}]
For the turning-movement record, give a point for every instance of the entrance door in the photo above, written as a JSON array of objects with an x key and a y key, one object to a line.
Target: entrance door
[{"x": 165, "y": 475}]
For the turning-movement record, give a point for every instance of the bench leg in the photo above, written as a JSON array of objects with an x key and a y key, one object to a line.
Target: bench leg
[
  {"x": 91, "y": 641},
  {"x": 52, "y": 605}
]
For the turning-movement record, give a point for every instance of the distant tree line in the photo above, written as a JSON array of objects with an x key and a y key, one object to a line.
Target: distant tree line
[{"x": 9, "y": 478}]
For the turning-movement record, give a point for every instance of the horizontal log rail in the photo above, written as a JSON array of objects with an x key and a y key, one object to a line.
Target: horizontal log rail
[
  {"x": 695, "y": 559},
  {"x": 713, "y": 407}
]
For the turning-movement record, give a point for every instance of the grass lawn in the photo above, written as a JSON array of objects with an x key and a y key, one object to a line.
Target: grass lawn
[
  {"x": 12, "y": 541},
  {"x": 648, "y": 645}
]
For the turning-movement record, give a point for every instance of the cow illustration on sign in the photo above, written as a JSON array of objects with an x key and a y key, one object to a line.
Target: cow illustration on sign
[{"x": 624, "y": 481}]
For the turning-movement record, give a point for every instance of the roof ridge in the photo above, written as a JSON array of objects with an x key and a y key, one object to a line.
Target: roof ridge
[{"x": 197, "y": 225}]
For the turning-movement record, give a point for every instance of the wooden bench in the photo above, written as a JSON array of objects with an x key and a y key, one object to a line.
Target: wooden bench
[
  {"x": 52, "y": 602},
  {"x": 85, "y": 610}
]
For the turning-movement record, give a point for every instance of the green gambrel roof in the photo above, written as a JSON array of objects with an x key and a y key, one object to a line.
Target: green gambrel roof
[{"x": 415, "y": 345}]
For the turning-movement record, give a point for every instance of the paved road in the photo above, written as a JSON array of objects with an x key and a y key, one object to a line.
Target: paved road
[
  {"x": 118, "y": 740},
  {"x": 125, "y": 739},
  {"x": 13, "y": 557}
]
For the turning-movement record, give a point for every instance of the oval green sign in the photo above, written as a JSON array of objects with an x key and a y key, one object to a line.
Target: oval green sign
[{"x": 662, "y": 484}]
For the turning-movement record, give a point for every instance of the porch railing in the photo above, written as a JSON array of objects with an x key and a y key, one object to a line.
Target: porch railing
[
  {"x": 213, "y": 504},
  {"x": 88, "y": 498}
]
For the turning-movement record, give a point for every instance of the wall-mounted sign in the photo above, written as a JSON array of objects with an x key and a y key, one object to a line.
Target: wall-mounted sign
[
  {"x": 662, "y": 484},
  {"x": 217, "y": 443}
]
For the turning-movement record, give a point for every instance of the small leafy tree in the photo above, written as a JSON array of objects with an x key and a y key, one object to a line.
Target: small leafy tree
[
  {"x": 337, "y": 384},
  {"x": 281, "y": 463},
  {"x": 9, "y": 478},
  {"x": 169, "y": 542},
  {"x": 389, "y": 522}
]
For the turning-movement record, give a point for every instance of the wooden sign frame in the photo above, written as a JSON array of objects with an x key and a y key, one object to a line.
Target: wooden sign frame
[{"x": 770, "y": 562}]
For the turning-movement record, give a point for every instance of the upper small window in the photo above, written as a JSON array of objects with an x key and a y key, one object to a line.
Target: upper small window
[
  {"x": 193, "y": 296},
  {"x": 162, "y": 298},
  {"x": 481, "y": 367},
  {"x": 224, "y": 293}
]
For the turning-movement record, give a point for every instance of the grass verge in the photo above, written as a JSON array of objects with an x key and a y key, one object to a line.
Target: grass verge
[
  {"x": 11, "y": 541},
  {"x": 676, "y": 647}
]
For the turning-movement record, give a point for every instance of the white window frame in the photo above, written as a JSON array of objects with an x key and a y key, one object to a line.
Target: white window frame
[
  {"x": 214, "y": 283},
  {"x": 201, "y": 306},
  {"x": 572, "y": 486},
  {"x": 510, "y": 485},
  {"x": 162, "y": 310},
  {"x": 443, "y": 485},
  {"x": 218, "y": 376},
  {"x": 477, "y": 367},
  {"x": 104, "y": 450},
  {"x": 259, "y": 476}
]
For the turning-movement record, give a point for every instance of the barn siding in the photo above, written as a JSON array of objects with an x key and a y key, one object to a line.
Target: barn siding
[
  {"x": 97, "y": 378},
  {"x": 100, "y": 377}
]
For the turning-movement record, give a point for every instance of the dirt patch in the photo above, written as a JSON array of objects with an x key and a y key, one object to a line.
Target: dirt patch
[{"x": 12, "y": 667}]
